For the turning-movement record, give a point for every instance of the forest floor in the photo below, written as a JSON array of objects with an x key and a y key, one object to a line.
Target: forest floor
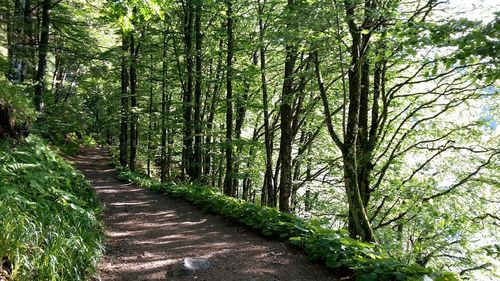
[{"x": 147, "y": 233}]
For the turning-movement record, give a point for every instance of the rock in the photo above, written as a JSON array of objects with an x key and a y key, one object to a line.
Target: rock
[
  {"x": 188, "y": 267},
  {"x": 268, "y": 278}
]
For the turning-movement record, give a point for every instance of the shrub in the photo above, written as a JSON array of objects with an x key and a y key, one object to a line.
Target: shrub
[
  {"x": 16, "y": 110},
  {"x": 49, "y": 225}
]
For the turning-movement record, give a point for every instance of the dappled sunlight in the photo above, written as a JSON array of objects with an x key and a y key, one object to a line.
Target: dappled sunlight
[{"x": 147, "y": 232}]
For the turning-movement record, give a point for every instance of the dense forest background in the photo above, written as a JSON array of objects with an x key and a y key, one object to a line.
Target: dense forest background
[{"x": 378, "y": 117}]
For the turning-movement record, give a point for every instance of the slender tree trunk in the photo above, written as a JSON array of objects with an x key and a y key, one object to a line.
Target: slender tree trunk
[
  {"x": 198, "y": 162},
  {"x": 134, "y": 130},
  {"x": 124, "y": 118},
  {"x": 17, "y": 41},
  {"x": 14, "y": 36},
  {"x": 59, "y": 81},
  {"x": 211, "y": 116},
  {"x": 296, "y": 164},
  {"x": 273, "y": 196},
  {"x": 247, "y": 181},
  {"x": 163, "y": 157},
  {"x": 42, "y": 56},
  {"x": 240, "y": 119},
  {"x": 307, "y": 200},
  {"x": 286, "y": 128},
  {"x": 363, "y": 150},
  {"x": 10, "y": 18},
  {"x": 187, "y": 149},
  {"x": 247, "y": 188},
  {"x": 228, "y": 181},
  {"x": 268, "y": 179},
  {"x": 220, "y": 167},
  {"x": 30, "y": 37},
  {"x": 150, "y": 121},
  {"x": 72, "y": 85}
]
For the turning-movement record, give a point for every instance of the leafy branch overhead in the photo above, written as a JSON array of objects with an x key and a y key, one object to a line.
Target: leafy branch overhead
[{"x": 369, "y": 117}]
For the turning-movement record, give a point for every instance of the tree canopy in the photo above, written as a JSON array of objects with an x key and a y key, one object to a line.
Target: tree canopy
[{"x": 377, "y": 117}]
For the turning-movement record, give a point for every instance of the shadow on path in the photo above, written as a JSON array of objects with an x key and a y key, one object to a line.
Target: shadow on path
[{"x": 147, "y": 232}]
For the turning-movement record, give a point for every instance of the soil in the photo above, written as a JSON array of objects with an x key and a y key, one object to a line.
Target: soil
[{"x": 147, "y": 233}]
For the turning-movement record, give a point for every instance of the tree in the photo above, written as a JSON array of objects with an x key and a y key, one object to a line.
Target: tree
[
  {"x": 134, "y": 130},
  {"x": 124, "y": 120},
  {"x": 187, "y": 152},
  {"x": 377, "y": 117},
  {"x": 286, "y": 124},
  {"x": 42, "y": 56},
  {"x": 267, "y": 187},
  {"x": 198, "y": 163},
  {"x": 228, "y": 180}
]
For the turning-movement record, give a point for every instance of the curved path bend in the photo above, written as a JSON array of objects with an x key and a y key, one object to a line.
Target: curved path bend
[{"x": 147, "y": 232}]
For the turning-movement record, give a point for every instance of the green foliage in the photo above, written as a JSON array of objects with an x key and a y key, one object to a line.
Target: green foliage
[
  {"x": 64, "y": 127},
  {"x": 15, "y": 96},
  {"x": 58, "y": 120},
  {"x": 49, "y": 227},
  {"x": 334, "y": 248},
  {"x": 71, "y": 143}
]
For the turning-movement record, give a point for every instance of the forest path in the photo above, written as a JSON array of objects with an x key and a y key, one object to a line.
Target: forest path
[{"x": 147, "y": 232}]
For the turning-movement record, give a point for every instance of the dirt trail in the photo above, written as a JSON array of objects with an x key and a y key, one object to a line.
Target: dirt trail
[{"x": 148, "y": 232}]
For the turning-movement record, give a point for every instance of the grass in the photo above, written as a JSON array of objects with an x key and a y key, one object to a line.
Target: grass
[{"x": 49, "y": 223}]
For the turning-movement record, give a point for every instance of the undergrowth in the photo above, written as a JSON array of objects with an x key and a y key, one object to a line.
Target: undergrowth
[
  {"x": 335, "y": 249},
  {"x": 49, "y": 224}
]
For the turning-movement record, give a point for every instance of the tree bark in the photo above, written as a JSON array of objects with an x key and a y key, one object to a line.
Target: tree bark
[
  {"x": 362, "y": 227},
  {"x": 124, "y": 118},
  {"x": 164, "y": 172},
  {"x": 211, "y": 116},
  {"x": 228, "y": 181},
  {"x": 268, "y": 179},
  {"x": 187, "y": 149},
  {"x": 286, "y": 128},
  {"x": 134, "y": 130},
  {"x": 15, "y": 34},
  {"x": 240, "y": 119},
  {"x": 198, "y": 162},
  {"x": 150, "y": 121},
  {"x": 43, "y": 46}
]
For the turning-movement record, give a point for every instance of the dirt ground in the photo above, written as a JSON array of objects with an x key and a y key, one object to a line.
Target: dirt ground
[{"x": 147, "y": 232}]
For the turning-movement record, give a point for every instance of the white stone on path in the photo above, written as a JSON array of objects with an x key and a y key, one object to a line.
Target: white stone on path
[{"x": 188, "y": 266}]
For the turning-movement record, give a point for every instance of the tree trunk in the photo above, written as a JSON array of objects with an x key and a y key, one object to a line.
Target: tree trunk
[
  {"x": 124, "y": 101},
  {"x": 42, "y": 57},
  {"x": 228, "y": 181},
  {"x": 17, "y": 32},
  {"x": 163, "y": 157},
  {"x": 60, "y": 79},
  {"x": 357, "y": 210},
  {"x": 240, "y": 119},
  {"x": 272, "y": 196},
  {"x": 10, "y": 17},
  {"x": 268, "y": 181},
  {"x": 187, "y": 149},
  {"x": 197, "y": 165},
  {"x": 134, "y": 130},
  {"x": 286, "y": 128},
  {"x": 297, "y": 165},
  {"x": 247, "y": 181},
  {"x": 150, "y": 121},
  {"x": 363, "y": 150},
  {"x": 211, "y": 116},
  {"x": 220, "y": 167},
  {"x": 14, "y": 34}
]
